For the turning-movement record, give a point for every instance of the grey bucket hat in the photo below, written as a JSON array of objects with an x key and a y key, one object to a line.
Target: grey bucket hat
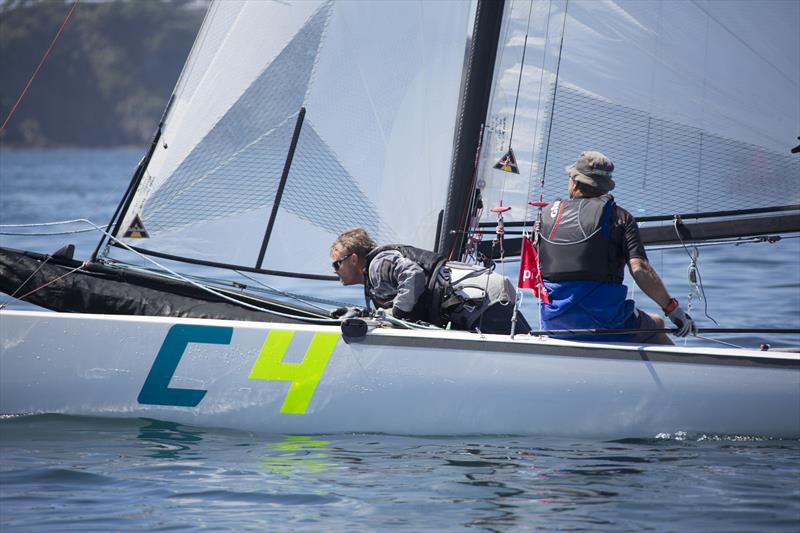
[{"x": 593, "y": 169}]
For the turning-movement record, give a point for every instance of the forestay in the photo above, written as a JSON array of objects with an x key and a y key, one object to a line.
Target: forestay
[
  {"x": 380, "y": 83},
  {"x": 695, "y": 102}
]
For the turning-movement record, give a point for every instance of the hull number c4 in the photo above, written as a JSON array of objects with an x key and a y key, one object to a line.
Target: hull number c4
[{"x": 269, "y": 365}]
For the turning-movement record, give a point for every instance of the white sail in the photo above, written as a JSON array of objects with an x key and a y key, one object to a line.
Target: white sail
[
  {"x": 695, "y": 102},
  {"x": 380, "y": 82}
]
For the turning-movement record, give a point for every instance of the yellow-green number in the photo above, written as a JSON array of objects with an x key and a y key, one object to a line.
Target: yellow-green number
[{"x": 304, "y": 375}]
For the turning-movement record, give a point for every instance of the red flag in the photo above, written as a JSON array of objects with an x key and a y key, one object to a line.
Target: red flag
[{"x": 529, "y": 275}]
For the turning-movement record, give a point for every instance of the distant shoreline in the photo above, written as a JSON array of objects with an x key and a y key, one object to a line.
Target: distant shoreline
[{"x": 107, "y": 79}]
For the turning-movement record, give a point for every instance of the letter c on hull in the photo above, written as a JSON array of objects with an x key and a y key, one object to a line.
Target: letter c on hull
[{"x": 155, "y": 390}]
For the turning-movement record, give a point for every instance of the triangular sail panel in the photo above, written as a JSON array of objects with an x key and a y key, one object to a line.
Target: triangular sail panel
[
  {"x": 695, "y": 102},
  {"x": 380, "y": 84}
]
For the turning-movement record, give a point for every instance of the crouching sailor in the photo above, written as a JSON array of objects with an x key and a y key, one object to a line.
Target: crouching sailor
[
  {"x": 584, "y": 244},
  {"x": 418, "y": 285}
]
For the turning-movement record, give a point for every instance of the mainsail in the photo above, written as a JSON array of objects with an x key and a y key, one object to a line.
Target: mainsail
[
  {"x": 695, "y": 102},
  {"x": 378, "y": 84}
]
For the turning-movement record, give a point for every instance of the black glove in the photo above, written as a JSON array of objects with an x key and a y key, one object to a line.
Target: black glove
[
  {"x": 399, "y": 313},
  {"x": 348, "y": 312}
]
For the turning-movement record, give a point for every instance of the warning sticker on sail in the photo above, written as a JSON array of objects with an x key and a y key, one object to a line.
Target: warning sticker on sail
[
  {"x": 136, "y": 229},
  {"x": 508, "y": 163}
]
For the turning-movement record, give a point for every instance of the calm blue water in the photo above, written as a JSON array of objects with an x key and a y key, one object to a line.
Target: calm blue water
[{"x": 73, "y": 473}]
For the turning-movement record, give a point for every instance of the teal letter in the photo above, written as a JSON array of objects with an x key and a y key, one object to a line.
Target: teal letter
[{"x": 155, "y": 390}]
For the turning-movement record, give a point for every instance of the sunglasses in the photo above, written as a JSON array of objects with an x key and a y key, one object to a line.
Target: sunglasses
[{"x": 336, "y": 264}]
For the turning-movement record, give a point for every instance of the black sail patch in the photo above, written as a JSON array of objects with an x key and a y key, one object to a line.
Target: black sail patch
[
  {"x": 508, "y": 163},
  {"x": 136, "y": 229}
]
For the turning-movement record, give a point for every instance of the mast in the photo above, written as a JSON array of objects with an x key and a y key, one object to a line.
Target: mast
[{"x": 473, "y": 109}]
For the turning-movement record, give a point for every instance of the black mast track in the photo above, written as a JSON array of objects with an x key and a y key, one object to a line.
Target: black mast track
[
  {"x": 279, "y": 193},
  {"x": 127, "y": 198},
  {"x": 472, "y": 112}
]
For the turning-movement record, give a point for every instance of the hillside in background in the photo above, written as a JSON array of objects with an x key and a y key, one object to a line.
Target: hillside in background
[{"x": 107, "y": 80}]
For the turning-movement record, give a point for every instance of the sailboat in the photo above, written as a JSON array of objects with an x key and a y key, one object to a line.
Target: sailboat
[{"x": 292, "y": 121}]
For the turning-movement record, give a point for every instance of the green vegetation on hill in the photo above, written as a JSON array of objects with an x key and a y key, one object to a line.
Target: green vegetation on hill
[{"x": 107, "y": 80}]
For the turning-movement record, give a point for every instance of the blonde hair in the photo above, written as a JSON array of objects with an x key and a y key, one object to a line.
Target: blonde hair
[{"x": 355, "y": 240}]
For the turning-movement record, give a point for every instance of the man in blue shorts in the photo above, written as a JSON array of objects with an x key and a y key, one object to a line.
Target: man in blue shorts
[{"x": 585, "y": 243}]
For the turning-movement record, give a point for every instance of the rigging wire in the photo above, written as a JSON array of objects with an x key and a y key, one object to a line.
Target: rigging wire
[
  {"x": 519, "y": 79},
  {"x": 43, "y": 234},
  {"x": 187, "y": 280},
  {"x": 538, "y": 110},
  {"x": 729, "y": 242},
  {"x": 39, "y": 66},
  {"x": 12, "y": 297},
  {"x": 37, "y": 289},
  {"x": 516, "y": 97},
  {"x": 540, "y": 203},
  {"x": 470, "y": 202},
  {"x": 299, "y": 297},
  {"x": 555, "y": 93}
]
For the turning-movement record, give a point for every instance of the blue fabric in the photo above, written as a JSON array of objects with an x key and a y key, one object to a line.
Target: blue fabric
[
  {"x": 607, "y": 210},
  {"x": 589, "y": 305}
]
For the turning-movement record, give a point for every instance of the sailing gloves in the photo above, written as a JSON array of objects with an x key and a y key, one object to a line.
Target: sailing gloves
[
  {"x": 348, "y": 312},
  {"x": 679, "y": 317}
]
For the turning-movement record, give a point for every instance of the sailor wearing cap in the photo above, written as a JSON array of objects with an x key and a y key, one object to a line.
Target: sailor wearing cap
[{"x": 584, "y": 244}]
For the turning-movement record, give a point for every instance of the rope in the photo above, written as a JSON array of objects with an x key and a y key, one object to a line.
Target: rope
[
  {"x": 42, "y": 234},
  {"x": 298, "y": 297},
  {"x": 516, "y": 98},
  {"x": 734, "y": 242},
  {"x": 41, "y": 224},
  {"x": 63, "y": 222},
  {"x": 519, "y": 79},
  {"x": 555, "y": 92},
  {"x": 5, "y": 304},
  {"x": 301, "y": 298},
  {"x": 39, "y": 66},
  {"x": 697, "y": 270},
  {"x": 538, "y": 223},
  {"x": 37, "y": 289},
  {"x": 719, "y": 341},
  {"x": 465, "y": 218},
  {"x": 187, "y": 280}
]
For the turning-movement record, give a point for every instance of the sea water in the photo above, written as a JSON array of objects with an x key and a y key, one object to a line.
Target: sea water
[{"x": 74, "y": 473}]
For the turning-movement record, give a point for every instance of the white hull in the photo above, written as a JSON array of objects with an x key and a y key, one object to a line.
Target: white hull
[{"x": 394, "y": 381}]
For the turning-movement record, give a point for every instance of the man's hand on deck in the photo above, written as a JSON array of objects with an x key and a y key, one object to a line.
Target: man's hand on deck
[{"x": 683, "y": 321}]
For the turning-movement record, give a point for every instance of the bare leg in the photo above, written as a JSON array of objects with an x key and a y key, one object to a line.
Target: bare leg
[{"x": 661, "y": 338}]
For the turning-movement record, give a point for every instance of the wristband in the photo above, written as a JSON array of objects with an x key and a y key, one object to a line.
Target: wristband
[{"x": 671, "y": 306}]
